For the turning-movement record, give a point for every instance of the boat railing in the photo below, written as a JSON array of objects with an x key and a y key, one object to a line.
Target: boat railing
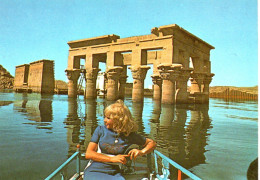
[
  {"x": 60, "y": 170},
  {"x": 165, "y": 171},
  {"x": 166, "y": 162}
]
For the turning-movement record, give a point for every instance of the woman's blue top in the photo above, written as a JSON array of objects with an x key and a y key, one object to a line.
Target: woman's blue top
[{"x": 106, "y": 139}]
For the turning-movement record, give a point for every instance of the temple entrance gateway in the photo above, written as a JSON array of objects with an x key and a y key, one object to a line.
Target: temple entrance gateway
[{"x": 176, "y": 56}]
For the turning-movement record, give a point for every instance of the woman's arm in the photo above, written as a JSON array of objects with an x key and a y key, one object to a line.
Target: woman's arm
[
  {"x": 92, "y": 154},
  {"x": 149, "y": 146}
]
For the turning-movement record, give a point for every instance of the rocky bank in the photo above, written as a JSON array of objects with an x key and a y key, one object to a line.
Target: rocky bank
[{"x": 6, "y": 79}]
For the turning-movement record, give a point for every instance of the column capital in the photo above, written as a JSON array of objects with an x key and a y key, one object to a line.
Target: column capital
[
  {"x": 198, "y": 77},
  {"x": 168, "y": 66},
  {"x": 156, "y": 79},
  {"x": 114, "y": 72},
  {"x": 208, "y": 78},
  {"x": 169, "y": 75},
  {"x": 73, "y": 74},
  {"x": 92, "y": 74},
  {"x": 169, "y": 71},
  {"x": 139, "y": 72},
  {"x": 122, "y": 79},
  {"x": 184, "y": 74},
  {"x": 112, "y": 75}
]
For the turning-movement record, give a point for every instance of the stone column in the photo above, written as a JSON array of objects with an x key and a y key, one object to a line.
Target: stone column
[
  {"x": 138, "y": 74},
  {"x": 182, "y": 94},
  {"x": 73, "y": 76},
  {"x": 169, "y": 73},
  {"x": 91, "y": 79},
  {"x": 207, "y": 80},
  {"x": 196, "y": 82},
  {"x": 157, "y": 87},
  {"x": 122, "y": 83},
  {"x": 196, "y": 87},
  {"x": 113, "y": 75}
]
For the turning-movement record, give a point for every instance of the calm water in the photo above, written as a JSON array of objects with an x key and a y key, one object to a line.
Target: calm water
[{"x": 38, "y": 133}]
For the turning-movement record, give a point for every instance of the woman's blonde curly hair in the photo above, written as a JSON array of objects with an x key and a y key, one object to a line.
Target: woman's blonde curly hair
[{"x": 123, "y": 121}]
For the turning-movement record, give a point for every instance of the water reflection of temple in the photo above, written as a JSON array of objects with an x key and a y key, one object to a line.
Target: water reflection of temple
[
  {"x": 137, "y": 112},
  {"x": 38, "y": 109},
  {"x": 5, "y": 103},
  {"x": 73, "y": 125},
  {"x": 197, "y": 135},
  {"x": 81, "y": 123},
  {"x": 181, "y": 131}
]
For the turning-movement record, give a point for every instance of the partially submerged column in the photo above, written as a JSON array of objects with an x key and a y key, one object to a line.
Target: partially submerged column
[
  {"x": 169, "y": 74},
  {"x": 196, "y": 82},
  {"x": 122, "y": 84},
  {"x": 91, "y": 79},
  {"x": 207, "y": 80},
  {"x": 157, "y": 87},
  {"x": 113, "y": 75},
  {"x": 182, "y": 94},
  {"x": 73, "y": 76},
  {"x": 138, "y": 74},
  {"x": 196, "y": 86}
]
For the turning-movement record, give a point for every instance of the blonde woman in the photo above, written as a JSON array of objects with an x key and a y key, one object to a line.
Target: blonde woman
[{"x": 118, "y": 133}]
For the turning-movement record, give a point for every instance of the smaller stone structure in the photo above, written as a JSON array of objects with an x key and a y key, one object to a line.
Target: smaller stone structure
[{"x": 37, "y": 76}]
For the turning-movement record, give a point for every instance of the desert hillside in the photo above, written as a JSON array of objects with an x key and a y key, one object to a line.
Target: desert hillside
[
  {"x": 217, "y": 89},
  {"x": 6, "y": 79},
  {"x": 59, "y": 84}
]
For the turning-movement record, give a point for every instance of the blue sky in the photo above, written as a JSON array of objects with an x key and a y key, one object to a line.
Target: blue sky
[{"x": 32, "y": 30}]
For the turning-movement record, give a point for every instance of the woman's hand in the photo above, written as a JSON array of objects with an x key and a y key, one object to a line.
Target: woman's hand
[
  {"x": 121, "y": 158},
  {"x": 134, "y": 153}
]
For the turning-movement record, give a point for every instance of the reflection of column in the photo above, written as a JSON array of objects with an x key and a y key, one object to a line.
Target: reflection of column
[
  {"x": 157, "y": 87},
  {"x": 155, "y": 119},
  {"x": 91, "y": 78},
  {"x": 73, "y": 76},
  {"x": 165, "y": 132},
  {"x": 178, "y": 154},
  {"x": 167, "y": 115},
  {"x": 156, "y": 111},
  {"x": 73, "y": 125},
  {"x": 45, "y": 108},
  {"x": 169, "y": 73},
  {"x": 176, "y": 138},
  {"x": 138, "y": 74},
  {"x": 113, "y": 75},
  {"x": 197, "y": 135},
  {"x": 91, "y": 119},
  {"x": 181, "y": 86},
  {"x": 137, "y": 111}
]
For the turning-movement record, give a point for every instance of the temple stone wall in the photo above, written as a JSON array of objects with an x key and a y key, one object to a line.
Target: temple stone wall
[
  {"x": 37, "y": 76},
  {"x": 21, "y": 76}
]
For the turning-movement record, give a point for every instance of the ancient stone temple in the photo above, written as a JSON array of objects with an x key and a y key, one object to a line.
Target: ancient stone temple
[
  {"x": 175, "y": 54},
  {"x": 38, "y": 76}
]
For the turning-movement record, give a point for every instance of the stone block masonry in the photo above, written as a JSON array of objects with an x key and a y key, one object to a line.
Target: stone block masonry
[
  {"x": 175, "y": 54},
  {"x": 38, "y": 76}
]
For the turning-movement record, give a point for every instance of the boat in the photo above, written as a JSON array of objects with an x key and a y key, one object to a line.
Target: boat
[{"x": 158, "y": 169}]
